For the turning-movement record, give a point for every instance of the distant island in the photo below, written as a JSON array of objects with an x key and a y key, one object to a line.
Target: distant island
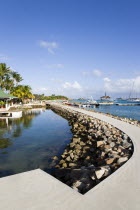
[
  {"x": 81, "y": 99},
  {"x": 52, "y": 97}
]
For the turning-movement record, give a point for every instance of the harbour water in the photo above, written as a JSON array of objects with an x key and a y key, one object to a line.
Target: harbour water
[
  {"x": 132, "y": 112},
  {"x": 121, "y": 111},
  {"x": 32, "y": 141}
]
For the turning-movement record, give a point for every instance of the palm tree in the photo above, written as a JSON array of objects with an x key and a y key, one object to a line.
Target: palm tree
[
  {"x": 16, "y": 77},
  {"x": 4, "y": 74},
  {"x": 9, "y": 81},
  {"x": 23, "y": 92},
  {"x": 8, "y": 78}
]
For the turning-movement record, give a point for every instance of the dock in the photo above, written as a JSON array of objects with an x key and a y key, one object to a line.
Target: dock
[
  {"x": 128, "y": 104},
  {"x": 104, "y": 104},
  {"x": 10, "y": 114}
]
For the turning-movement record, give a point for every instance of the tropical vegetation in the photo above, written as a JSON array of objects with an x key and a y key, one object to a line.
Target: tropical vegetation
[
  {"x": 9, "y": 82},
  {"x": 52, "y": 97}
]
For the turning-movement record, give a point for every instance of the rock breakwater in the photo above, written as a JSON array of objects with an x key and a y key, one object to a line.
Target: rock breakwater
[{"x": 96, "y": 150}]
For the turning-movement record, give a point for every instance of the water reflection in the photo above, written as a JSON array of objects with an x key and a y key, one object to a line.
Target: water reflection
[
  {"x": 31, "y": 141},
  {"x": 14, "y": 127},
  {"x": 4, "y": 143}
]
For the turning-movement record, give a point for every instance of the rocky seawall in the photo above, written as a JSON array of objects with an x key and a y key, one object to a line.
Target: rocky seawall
[{"x": 96, "y": 150}]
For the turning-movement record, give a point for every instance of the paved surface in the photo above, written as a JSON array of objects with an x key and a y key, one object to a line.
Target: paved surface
[{"x": 37, "y": 190}]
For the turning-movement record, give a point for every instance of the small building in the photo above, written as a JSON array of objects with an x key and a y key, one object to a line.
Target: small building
[{"x": 7, "y": 100}]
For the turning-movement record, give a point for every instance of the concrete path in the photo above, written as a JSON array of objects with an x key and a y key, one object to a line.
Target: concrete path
[{"x": 37, "y": 190}]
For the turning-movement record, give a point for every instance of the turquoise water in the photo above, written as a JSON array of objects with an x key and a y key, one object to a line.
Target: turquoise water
[
  {"x": 30, "y": 142},
  {"x": 121, "y": 111}
]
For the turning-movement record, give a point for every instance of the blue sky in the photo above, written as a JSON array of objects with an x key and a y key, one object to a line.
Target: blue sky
[{"x": 77, "y": 48}]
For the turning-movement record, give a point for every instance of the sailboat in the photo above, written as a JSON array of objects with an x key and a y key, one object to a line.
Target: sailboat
[{"x": 135, "y": 99}]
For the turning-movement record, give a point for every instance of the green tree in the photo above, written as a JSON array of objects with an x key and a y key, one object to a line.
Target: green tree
[
  {"x": 16, "y": 77},
  {"x": 22, "y": 91},
  {"x": 8, "y": 78},
  {"x": 4, "y": 75},
  {"x": 9, "y": 81}
]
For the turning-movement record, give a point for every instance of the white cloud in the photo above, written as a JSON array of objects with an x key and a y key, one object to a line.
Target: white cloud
[
  {"x": 75, "y": 85},
  {"x": 51, "y": 46},
  {"x": 55, "y": 66},
  {"x": 123, "y": 85},
  {"x": 106, "y": 79},
  {"x": 97, "y": 72},
  {"x": 3, "y": 57}
]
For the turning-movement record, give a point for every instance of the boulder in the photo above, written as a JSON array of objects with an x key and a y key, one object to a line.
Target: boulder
[
  {"x": 110, "y": 161},
  {"x": 122, "y": 160},
  {"x": 82, "y": 143},
  {"x": 126, "y": 144},
  {"x": 76, "y": 140},
  {"x": 55, "y": 158},
  {"x": 93, "y": 177},
  {"x": 75, "y": 125},
  {"x": 76, "y": 184},
  {"x": 61, "y": 162},
  {"x": 78, "y": 146},
  {"x": 112, "y": 144},
  {"x": 125, "y": 136},
  {"x": 72, "y": 164},
  {"x": 100, "y": 173},
  {"x": 68, "y": 159},
  {"x": 99, "y": 143},
  {"x": 72, "y": 145},
  {"x": 64, "y": 165},
  {"x": 89, "y": 137},
  {"x": 107, "y": 170},
  {"x": 72, "y": 156},
  {"x": 107, "y": 133}
]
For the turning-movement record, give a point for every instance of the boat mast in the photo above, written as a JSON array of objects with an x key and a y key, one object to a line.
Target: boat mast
[{"x": 131, "y": 90}]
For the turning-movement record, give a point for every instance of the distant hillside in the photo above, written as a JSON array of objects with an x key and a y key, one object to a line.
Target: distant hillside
[{"x": 52, "y": 97}]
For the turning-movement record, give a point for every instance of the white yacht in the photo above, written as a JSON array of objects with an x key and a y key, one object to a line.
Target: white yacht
[{"x": 92, "y": 101}]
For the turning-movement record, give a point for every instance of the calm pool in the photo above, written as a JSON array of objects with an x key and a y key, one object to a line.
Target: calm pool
[{"x": 30, "y": 142}]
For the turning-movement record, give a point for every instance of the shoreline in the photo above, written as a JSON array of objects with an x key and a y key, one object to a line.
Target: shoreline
[
  {"x": 124, "y": 119},
  {"x": 96, "y": 150},
  {"x": 118, "y": 191}
]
